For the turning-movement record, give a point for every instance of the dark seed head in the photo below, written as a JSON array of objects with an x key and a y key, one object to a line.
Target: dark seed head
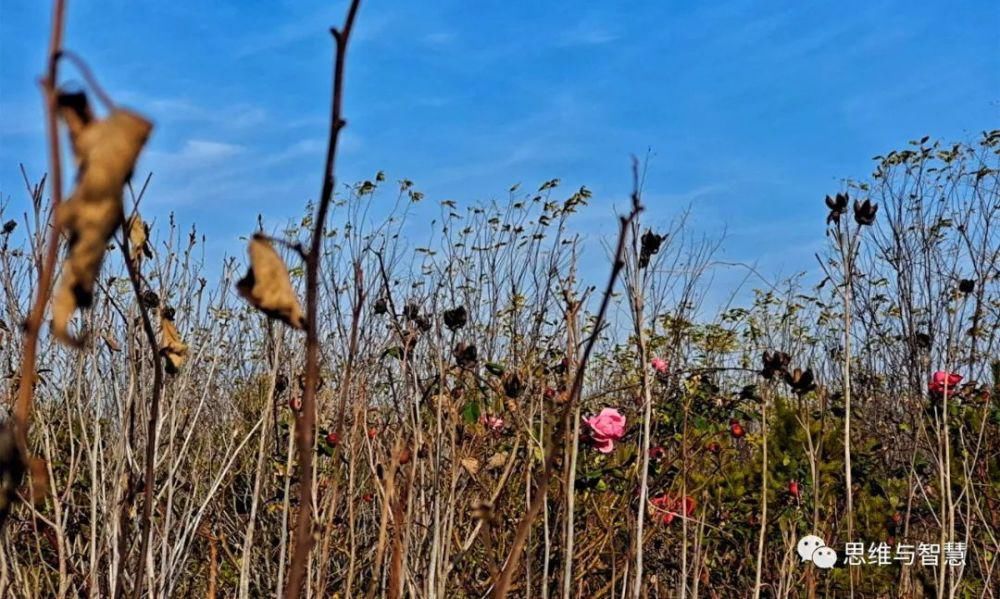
[
  {"x": 651, "y": 243},
  {"x": 864, "y": 212},
  {"x": 466, "y": 355},
  {"x": 455, "y": 318},
  {"x": 801, "y": 381},
  {"x": 512, "y": 386},
  {"x": 774, "y": 363},
  {"x": 411, "y": 311},
  {"x": 837, "y": 206},
  {"x": 149, "y": 299}
]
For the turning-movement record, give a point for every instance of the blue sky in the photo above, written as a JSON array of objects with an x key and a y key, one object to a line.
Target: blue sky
[{"x": 753, "y": 109}]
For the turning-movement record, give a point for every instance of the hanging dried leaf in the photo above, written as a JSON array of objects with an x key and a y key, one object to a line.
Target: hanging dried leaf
[
  {"x": 138, "y": 240},
  {"x": 171, "y": 347},
  {"x": 267, "y": 286},
  {"x": 105, "y": 151}
]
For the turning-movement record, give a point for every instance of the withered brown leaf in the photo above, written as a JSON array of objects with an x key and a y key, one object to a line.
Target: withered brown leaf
[
  {"x": 138, "y": 240},
  {"x": 105, "y": 151},
  {"x": 471, "y": 465},
  {"x": 267, "y": 286},
  {"x": 172, "y": 348}
]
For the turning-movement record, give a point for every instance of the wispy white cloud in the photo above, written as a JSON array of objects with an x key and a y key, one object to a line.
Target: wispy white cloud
[
  {"x": 679, "y": 199},
  {"x": 195, "y": 154},
  {"x": 314, "y": 24},
  {"x": 183, "y": 110},
  {"x": 585, "y": 33},
  {"x": 439, "y": 39}
]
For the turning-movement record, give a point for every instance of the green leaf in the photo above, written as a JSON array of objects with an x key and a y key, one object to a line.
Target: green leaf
[
  {"x": 470, "y": 413},
  {"x": 495, "y": 369}
]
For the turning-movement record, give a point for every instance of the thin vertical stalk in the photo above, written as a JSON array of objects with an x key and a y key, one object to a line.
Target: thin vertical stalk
[
  {"x": 32, "y": 327},
  {"x": 306, "y": 424}
]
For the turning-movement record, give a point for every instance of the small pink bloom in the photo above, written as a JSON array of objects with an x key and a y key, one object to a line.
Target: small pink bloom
[
  {"x": 602, "y": 445},
  {"x": 494, "y": 423},
  {"x": 942, "y": 381},
  {"x": 606, "y": 428},
  {"x": 666, "y": 508},
  {"x": 662, "y": 504},
  {"x": 659, "y": 365}
]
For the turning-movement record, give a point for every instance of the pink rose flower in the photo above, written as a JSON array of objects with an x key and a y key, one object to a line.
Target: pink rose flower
[
  {"x": 606, "y": 428},
  {"x": 941, "y": 381},
  {"x": 494, "y": 423},
  {"x": 659, "y": 365}
]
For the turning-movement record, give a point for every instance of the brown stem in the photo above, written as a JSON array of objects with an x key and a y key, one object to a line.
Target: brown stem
[
  {"x": 154, "y": 409},
  {"x": 306, "y": 424},
  {"x": 25, "y": 391}
]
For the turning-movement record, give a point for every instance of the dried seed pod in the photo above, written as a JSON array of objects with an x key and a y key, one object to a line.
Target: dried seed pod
[
  {"x": 967, "y": 285},
  {"x": 456, "y": 318},
  {"x": 172, "y": 348},
  {"x": 864, "y": 212},
  {"x": 837, "y": 206},
  {"x": 411, "y": 311},
  {"x": 922, "y": 340},
  {"x": 775, "y": 363},
  {"x": 138, "y": 240},
  {"x": 422, "y": 323},
  {"x": 381, "y": 306},
  {"x": 149, "y": 299},
  {"x": 651, "y": 243},
  {"x": 801, "y": 381},
  {"x": 465, "y": 355},
  {"x": 105, "y": 151},
  {"x": 267, "y": 286},
  {"x": 512, "y": 386}
]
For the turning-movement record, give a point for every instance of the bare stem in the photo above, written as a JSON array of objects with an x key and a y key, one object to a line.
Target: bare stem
[
  {"x": 306, "y": 424},
  {"x": 32, "y": 327}
]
